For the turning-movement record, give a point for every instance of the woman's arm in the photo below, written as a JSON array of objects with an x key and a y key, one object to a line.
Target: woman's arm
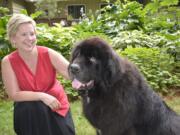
[
  {"x": 11, "y": 85},
  {"x": 14, "y": 92},
  {"x": 59, "y": 63}
]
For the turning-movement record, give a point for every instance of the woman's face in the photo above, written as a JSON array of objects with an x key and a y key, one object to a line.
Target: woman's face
[{"x": 25, "y": 37}]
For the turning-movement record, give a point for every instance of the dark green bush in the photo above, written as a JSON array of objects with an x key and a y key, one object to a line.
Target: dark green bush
[
  {"x": 155, "y": 26},
  {"x": 72, "y": 94},
  {"x": 58, "y": 38},
  {"x": 118, "y": 17},
  {"x": 137, "y": 38},
  {"x": 5, "y": 47},
  {"x": 156, "y": 66}
]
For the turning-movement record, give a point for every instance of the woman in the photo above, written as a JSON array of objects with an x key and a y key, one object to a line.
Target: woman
[{"x": 29, "y": 75}]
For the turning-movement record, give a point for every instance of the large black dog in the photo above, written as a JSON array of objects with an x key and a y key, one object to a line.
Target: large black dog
[{"x": 116, "y": 98}]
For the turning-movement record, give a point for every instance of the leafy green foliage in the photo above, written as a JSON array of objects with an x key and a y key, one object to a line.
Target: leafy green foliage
[
  {"x": 148, "y": 35},
  {"x": 112, "y": 19},
  {"x": 72, "y": 94},
  {"x": 47, "y": 5},
  {"x": 33, "y": 15},
  {"x": 56, "y": 37},
  {"x": 162, "y": 15},
  {"x": 168, "y": 2},
  {"x": 137, "y": 38},
  {"x": 156, "y": 66},
  {"x": 158, "y": 19},
  {"x": 90, "y": 24},
  {"x": 5, "y": 47},
  {"x": 155, "y": 5},
  {"x": 83, "y": 35},
  {"x": 3, "y": 11}
]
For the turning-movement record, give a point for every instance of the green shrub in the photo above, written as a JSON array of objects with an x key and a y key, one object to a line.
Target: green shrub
[
  {"x": 156, "y": 66},
  {"x": 83, "y": 35},
  {"x": 72, "y": 94},
  {"x": 5, "y": 47},
  {"x": 118, "y": 17},
  {"x": 164, "y": 40},
  {"x": 58, "y": 38},
  {"x": 137, "y": 38},
  {"x": 162, "y": 15},
  {"x": 173, "y": 44}
]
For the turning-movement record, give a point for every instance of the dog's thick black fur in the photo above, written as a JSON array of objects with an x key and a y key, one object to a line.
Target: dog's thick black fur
[{"x": 116, "y": 98}]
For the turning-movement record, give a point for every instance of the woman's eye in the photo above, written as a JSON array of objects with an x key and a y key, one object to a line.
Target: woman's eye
[
  {"x": 24, "y": 34},
  {"x": 32, "y": 34}
]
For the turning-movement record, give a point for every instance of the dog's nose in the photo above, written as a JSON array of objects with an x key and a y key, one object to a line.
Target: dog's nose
[{"x": 74, "y": 68}]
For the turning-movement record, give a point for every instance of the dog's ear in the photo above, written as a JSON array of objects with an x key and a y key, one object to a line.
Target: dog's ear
[
  {"x": 113, "y": 70},
  {"x": 109, "y": 73},
  {"x": 112, "y": 67},
  {"x": 75, "y": 53}
]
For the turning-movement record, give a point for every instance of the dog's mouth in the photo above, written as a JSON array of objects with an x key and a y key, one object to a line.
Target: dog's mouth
[{"x": 76, "y": 84}]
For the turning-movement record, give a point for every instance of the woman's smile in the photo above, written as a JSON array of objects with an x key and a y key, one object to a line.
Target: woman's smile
[{"x": 25, "y": 38}]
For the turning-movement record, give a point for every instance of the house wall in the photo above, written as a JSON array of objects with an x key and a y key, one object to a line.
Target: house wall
[
  {"x": 17, "y": 6},
  {"x": 6, "y": 4},
  {"x": 89, "y": 5}
]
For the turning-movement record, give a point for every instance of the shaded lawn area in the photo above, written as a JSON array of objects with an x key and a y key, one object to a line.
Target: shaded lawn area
[{"x": 81, "y": 124}]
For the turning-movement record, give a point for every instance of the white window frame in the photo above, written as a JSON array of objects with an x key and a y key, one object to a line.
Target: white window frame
[{"x": 76, "y": 5}]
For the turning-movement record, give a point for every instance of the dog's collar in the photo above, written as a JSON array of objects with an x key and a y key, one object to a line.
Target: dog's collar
[{"x": 85, "y": 92}]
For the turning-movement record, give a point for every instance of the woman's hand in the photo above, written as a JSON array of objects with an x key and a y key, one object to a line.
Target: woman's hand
[{"x": 50, "y": 101}]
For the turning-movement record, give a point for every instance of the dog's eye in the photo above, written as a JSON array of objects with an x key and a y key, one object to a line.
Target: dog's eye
[{"x": 93, "y": 60}]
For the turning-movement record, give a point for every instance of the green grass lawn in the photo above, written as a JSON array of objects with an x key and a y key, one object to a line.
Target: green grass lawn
[
  {"x": 6, "y": 119},
  {"x": 81, "y": 124}
]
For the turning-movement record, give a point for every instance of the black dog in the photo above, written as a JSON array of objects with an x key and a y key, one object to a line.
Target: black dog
[{"x": 116, "y": 98}]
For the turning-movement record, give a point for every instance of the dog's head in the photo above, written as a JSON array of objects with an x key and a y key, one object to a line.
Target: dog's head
[{"x": 92, "y": 62}]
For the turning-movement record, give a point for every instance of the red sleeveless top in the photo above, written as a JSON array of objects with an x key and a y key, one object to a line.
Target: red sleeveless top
[{"x": 44, "y": 80}]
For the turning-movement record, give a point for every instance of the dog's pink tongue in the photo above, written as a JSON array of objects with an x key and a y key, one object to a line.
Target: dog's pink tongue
[{"x": 76, "y": 84}]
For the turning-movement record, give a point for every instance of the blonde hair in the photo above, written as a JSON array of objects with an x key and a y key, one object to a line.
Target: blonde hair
[{"x": 15, "y": 21}]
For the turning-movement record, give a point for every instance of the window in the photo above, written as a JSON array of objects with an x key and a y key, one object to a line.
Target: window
[
  {"x": 105, "y": 4},
  {"x": 76, "y": 11},
  {"x": 46, "y": 12}
]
